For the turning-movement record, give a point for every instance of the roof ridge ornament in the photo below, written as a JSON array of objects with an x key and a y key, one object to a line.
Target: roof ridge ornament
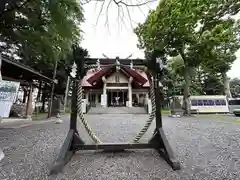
[
  {"x": 117, "y": 64},
  {"x": 98, "y": 65},
  {"x": 131, "y": 65}
]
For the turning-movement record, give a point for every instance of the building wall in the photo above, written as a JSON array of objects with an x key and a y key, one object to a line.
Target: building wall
[
  {"x": 117, "y": 76},
  {"x": 137, "y": 95}
]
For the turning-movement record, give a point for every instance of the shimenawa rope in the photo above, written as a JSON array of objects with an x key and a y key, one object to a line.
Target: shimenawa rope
[{"x": 86, "y": 125}]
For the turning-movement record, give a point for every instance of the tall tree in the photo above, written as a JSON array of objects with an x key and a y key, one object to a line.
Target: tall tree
[
  {"x": 181, "y": 28},
  {"x": 41, "y": 32},
  {"x": 37, "y": 29},
  {"x": 224, "y": 44},
  {"x": 212, "y": 85}
]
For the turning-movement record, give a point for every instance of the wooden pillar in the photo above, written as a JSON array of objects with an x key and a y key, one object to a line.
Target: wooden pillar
[
  {"x": 130, "y": 92},
  {"x": 87, "y": 96},
  {"x": 104, "y": 91},
  {"x": 138, "y": 99},
  {"x": 29, "y": 107},
  {"x": 96, "y": 98}
]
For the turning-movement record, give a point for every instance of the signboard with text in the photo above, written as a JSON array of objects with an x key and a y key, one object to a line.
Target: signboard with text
[{"x": 8, "y": 94}]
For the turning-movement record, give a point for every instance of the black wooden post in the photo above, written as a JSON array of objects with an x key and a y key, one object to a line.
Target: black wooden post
[
  {"x": 73, "y": 118},
  {"x": 158, "y": 103}
]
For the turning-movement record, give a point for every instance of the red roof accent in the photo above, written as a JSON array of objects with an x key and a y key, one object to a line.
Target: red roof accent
[
  {"x": 136, "y": 76},
  {"x": 111, "y": 69},
  {"x": 98, "y": 76}
]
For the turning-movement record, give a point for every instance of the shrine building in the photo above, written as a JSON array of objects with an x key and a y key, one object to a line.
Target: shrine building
[{"x": 116, "y": 82}]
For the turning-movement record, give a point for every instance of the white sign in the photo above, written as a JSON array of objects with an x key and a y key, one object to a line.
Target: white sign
[
  {"x": 103, "y": 100},
  {"x": 8, "y": 94}
]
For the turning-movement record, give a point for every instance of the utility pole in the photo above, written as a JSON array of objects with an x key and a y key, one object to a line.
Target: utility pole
[{"x": 52, "y": 90}]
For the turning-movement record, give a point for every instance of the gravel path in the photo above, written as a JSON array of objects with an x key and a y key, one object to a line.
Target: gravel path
[{"x": 208, "y": 148}]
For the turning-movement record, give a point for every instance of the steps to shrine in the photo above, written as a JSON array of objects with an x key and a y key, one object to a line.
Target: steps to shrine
[{"x": 117, "y": 110}]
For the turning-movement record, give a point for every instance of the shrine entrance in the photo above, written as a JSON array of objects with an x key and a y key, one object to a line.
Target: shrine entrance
[{"x": 117, "y": 97}]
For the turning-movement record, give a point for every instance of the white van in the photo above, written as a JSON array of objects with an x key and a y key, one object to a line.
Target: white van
[{"x": 234, "y": 104}]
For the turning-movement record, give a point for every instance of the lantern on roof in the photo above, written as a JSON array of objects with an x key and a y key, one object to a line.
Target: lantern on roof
[
  {"x": 117, "y": 64},
  {"x": 131, "y": 65},
  {"x": 98, "y": 64}
]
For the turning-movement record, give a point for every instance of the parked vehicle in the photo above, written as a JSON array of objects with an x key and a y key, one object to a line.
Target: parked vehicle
[
  {"x": 208, "y": 103},
  {"x": 234, "y": 106}
]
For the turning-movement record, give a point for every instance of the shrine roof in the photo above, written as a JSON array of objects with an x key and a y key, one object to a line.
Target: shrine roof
[
  {"x": 107, "y": 61},
  {"x": 12, "y": 69},
  {"x": 94, "y": 75}
]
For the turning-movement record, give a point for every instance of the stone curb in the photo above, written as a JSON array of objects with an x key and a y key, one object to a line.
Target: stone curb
[{"x": 9, "y": 126}]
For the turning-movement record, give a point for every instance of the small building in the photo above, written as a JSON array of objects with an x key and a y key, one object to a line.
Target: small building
[
  {"x": 116, "y": 82},
  {"x": 14, "y": 71}
]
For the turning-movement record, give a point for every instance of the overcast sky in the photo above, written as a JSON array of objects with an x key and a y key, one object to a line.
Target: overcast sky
[{"x": 112, "y": 33}]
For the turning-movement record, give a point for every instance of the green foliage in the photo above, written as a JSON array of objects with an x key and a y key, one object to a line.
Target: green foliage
[
  {"x": 235, "y": 87},
  {"x": 172, "y": 27},
  {"x": 222, "y": 42},
  {"x": 212, "y": 85},
  {"x": 79, "y": 56},
  {"x": 42, "y": 30},
  {"x": 65, "y": 67},
  {"x": 196, "y": 33},
  {"x": 176, "y": 65}
]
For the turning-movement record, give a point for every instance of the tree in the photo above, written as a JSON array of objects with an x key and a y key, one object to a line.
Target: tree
[
  {"x": 77, "y": 55},
  {"x": 212, "y": 85},
  {"x": 180, "y": 28},
  {"x": 235, "y": 87},
  {"x": 175, "y": 69},
  {"x": 224, "y": 42},
  {"x": 171, "y": 27},
  {"x": 41, "y": 32},
  {"x": 37, "y": 29}
]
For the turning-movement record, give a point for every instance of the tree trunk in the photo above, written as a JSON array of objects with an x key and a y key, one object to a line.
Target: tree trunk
[
  {"x": 39, "y": 91},
  {"x": 43, "y": 102},
  {"x": 25, "y": 94},
  {"x": 43, "y": 98},
  {"x": 186, "y": 96},
  {"x": 227, "y": 91},
  {"x": 199, "y": 76}
]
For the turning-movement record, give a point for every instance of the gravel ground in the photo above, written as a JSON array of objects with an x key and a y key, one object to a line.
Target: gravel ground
[{"x": 207, "y": 147}]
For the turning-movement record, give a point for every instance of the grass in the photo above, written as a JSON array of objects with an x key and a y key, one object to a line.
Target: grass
[
  {"x": 221, "y": 117},
  {"x": 40, "y": 116},
  {"x": 165, "y": 111}
]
